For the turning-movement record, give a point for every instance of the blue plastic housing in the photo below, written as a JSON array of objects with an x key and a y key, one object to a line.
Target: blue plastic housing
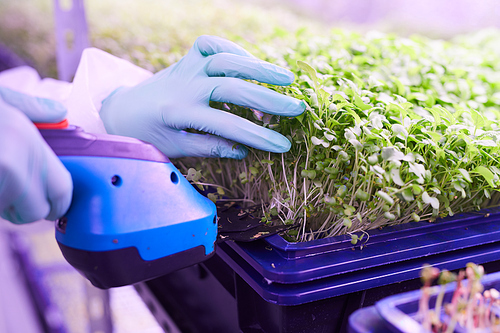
[
  {"x": 122, "y": 202},
  {"x": 133, "y": 216}
]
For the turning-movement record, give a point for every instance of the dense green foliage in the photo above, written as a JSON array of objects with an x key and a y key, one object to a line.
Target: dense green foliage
[
  {"x": 151, "y": 33},
  {"x": 396, "y": 130}
]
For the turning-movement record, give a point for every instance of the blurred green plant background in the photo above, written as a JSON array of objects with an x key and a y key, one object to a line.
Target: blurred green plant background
[
  {"x": 425, "y": 100},
  {"x": 151, "y": 33},
  {"x": 155, "y": 33}
]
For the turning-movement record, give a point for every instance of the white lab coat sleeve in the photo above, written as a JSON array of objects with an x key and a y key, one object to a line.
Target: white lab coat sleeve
[
  {"x": 26, "y": 80},
  {"x": 98, "y": 74}
]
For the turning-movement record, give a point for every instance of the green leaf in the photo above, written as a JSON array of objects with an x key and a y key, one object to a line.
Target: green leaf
[
  {"x": 399, "y": 85},
  {"x": 386, "y": 197},
  {"x": 408, "y": 195},
  {"x": 486, "y": 173},
  {"x": 415, "y": 217},
  {"x": 315, "y": 141},
  {"x": 362, "y": 195},
  {"x": 434, "y": 135},
  {"x": 329, "y": 137},
  {"x": 309, "y": 70},
  {"x": 314, "y": 100},
  {"x": 338, "y": 98},
  {"x": 360, "y": 104},
  {"x": 342, "y": 191},
  {"x": 459, "y": 188},
  {"x": 193, "y": 175},
  {"x": 357, "y": 119},
  {"x": 253, "y": 170},
  {"x": 212, "y": 197},
  {"x": 437, "y": 117},
  {"x": 465, "y": 174},
  {"x": 349, "y": 211},
  {"x": 392, "y": 154},
  {"x": 331, "y": 170},
  {"x": 389, "y": 216},
  {"x": 427, "y": 199},
  {"x": 267, "y": 162},
  {"x": 477, "y": 119},
  {"x": 396, "y": 177},
  {"x": 311, "y": 174},
  {"x": 417, "y": 189},
  {"x": 373, "y": 159},
  {"x": 400, "y": 129}
]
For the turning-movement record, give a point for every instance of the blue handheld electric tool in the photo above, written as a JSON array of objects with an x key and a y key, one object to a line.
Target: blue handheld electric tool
[{"x": 134, "y": 216}]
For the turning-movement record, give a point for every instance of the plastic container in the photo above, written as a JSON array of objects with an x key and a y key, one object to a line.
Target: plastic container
[
  {"x": 367, "y": 320},
  {"x": 315, "y": 286},
  {"x": 399, "y": 311}
]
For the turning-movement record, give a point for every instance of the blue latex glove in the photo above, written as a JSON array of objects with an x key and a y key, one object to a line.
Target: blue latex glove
[
  {"x": 34, "y": 184},
  {"x": 177, "y": 98}
]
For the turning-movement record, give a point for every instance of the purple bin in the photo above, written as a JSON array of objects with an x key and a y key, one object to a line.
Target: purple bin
[{"x": 272, "y": 285}]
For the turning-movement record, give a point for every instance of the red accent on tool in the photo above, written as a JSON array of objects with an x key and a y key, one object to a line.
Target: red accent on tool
[{"x": 60, "y": 125}]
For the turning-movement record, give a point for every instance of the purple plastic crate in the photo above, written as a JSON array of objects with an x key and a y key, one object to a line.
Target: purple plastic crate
[
  {"x": 367, "y": 320},
  {"x": 315, "y": 286},
  {"x": 399, "y": 311},
  {"x": 296, "y": 273}
]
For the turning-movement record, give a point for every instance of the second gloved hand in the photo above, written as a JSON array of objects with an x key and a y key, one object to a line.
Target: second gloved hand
[
  {"x": 177, "y": 98},
  {"x": 34, "y": 184}
]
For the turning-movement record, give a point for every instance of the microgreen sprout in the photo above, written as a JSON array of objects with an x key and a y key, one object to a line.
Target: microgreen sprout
[
  {"x": 413, "y": 118},
  {"x": 396, "y": 130},
  {"x": 470, "y": 307},
  {"x": 427, "y": 275}
]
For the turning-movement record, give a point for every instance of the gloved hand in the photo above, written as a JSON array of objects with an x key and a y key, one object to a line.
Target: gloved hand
[
  {"x": 176, "y": 98},
  {"x": 34, "y": 184}
]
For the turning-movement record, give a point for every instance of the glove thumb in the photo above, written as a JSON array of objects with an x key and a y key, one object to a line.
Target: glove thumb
[{"x": 37, "y": 109}]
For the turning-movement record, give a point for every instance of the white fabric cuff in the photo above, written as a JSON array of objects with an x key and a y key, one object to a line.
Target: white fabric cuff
[{"x": 99, "y": 73}]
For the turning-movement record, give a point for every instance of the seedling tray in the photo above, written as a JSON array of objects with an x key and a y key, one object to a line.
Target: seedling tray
[
  {"x": 277, "y": 286},
  {"x": 367, "y": 320},
  {"x": 399, "y": 311},
  {"x": 332, "y": 267}
]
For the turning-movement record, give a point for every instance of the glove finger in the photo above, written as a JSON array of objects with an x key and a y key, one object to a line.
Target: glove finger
[
  {"x": 47, "y": 190},
  {"x": 243, "y": 93},
  {"x": 26, "y": 201},
  {"x": 28, "y": 171},
  {"x": 210, "y": 45},
  {"x": 235, "y": 128},
  {"x": 59, "y": 186},
  {"x": 182, "y": 144},
  {"x": 32, "y": 205},
  {"x": 231, "y": 65},
  {"x": 36, "y": 108}
]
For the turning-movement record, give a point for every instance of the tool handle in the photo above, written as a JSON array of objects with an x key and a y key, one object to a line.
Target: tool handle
[
  {"x": 73, "y": 141},
  {"x": 133, "y": 215}
]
